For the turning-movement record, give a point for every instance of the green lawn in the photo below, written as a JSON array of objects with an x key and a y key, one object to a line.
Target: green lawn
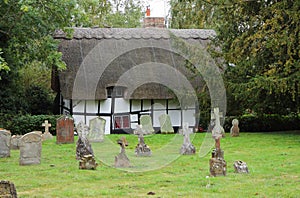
[{"x": 273, "y": 160}]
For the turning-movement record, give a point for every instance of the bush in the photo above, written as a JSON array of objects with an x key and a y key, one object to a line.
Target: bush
[
  {"x": 265, "y": 122},
  {"x": 22, "y": 124}
]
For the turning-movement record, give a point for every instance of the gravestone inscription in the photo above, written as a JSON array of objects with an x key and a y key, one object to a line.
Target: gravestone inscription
[
  {"x": 64, "y": 130},
  {"x": 97, "y": 129}
]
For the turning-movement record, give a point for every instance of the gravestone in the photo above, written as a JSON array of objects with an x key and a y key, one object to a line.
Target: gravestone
[
  {"x": 15, "y": 142},
  {"x": 97, "y": 130},
  {"x": 235, "y": 130},
  {"x": 47, "y": 135},
  {"x": 84, "y": 151},
  {"x": 240, "y": 167},
  {"x": 5, "y": 137},
  {"x": 165, "y": 124},
  {"x": 217, "y": 163},
  {"x": 30, "y": 149},
  {"x": 141, "y": 149},
  {"x": 64, "y": 130},
  {"x": 7, "y": 189},
  {"x": 187, "y": 147},
  {"x": 146, "y": 122},
  {"x": 121, "y": 160}
]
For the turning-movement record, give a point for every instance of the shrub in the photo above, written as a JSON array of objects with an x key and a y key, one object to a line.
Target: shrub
[{"x": 21, "y": 124}]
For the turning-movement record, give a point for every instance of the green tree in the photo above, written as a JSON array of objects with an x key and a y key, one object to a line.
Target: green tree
[{"x": 259, "y": 42}]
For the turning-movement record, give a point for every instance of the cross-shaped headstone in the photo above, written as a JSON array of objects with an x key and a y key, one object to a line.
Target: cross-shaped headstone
[
  {"x": 213, "y": 115},
  {"x": 47, "y": 126}
]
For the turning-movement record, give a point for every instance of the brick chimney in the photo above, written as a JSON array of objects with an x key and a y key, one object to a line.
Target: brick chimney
[{"x": 157, "y": 22}]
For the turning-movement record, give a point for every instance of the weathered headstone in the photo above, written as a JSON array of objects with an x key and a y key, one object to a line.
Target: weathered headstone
[
  {"x": 5, "y": 137},
  {"x": 15, "y": 142},
  {"x": 187, "y": 147},
  {"x": 84, "y": 151},
  {"x": 235, "y": 130},
  {"x": 240, "y": 167},
  {"x": 141, "y": 149},
  {"x": 121, "y": 160},
  {"x": 30, "y": 149},
  {"x": 47, "y": 135},
  {"x": 217, "y": 163},
  {"x": 97, "y": 129},
  {"x": 83, "y": 146},
  {"x": 165, "y": 124},
  {"x": 146, "y": 122},
  {"x": 7, "y": 189},
  {"x": 64, "y": 130}
]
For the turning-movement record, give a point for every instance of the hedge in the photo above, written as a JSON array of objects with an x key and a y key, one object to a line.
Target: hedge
[
  {"x": 22, "y": 124},
  {"x": 265, "y": 122}
]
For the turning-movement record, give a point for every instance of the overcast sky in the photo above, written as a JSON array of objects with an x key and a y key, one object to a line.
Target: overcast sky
[{"x": 158, "y": 8}]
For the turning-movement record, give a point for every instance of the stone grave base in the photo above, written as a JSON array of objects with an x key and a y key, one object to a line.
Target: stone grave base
[
  {"x": 7, "y": 189},
  {"x": 240, "y": 167},
  {"x": 88, "y": 162},
  {"x": 143, "y": 151},
  {"x": 217, "y": 164},
  {"x": 187, "y": 149},
  {"x": 122, "y": 161},
  {"x": 217, "y": 167}
]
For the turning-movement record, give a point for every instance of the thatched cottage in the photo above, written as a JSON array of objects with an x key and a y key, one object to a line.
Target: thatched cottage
[{"x": 121, "y": 74}]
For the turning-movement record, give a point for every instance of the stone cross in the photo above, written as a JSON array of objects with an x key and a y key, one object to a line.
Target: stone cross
[{"x": 47, "y": 126}]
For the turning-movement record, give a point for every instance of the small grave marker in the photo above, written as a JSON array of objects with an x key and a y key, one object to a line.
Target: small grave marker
[
  {"x": 141, "y": 149},
  {"x": 97, "y": 130},
  {"x": 7, "y": 189},
  {"x": 187, "y": 147},
  {"x": 47, "y": 135}
]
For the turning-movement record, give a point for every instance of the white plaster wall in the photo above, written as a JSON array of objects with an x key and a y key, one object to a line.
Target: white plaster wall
[
  {"x": 105, "y": 106},
  {"x": 175, "y": 116},
  {"x": 121, "y": 105},
  {"x": 92, "y": 106},
  {"x": 189, "y": 116},
  {"x": 78, "y": 106},
  {"x": 146, "y": 104},
  {"x": 136, "y": 105}
]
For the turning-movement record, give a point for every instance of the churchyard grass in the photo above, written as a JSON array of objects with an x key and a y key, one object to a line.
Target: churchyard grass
[{"x": 273, "y": 160}]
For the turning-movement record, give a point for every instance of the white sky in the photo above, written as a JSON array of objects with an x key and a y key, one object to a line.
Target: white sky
[{"x": 158, "y": 8}]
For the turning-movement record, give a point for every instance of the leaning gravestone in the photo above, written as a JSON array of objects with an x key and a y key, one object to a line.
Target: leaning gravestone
[
  {"x": 84, "y": 151},
  {"x": 7, "y": 189},
  {"x": 146, "y": 122},
  {"x": 187, "y": 147},
  {"x": 5, "y": 137},
  {"x": 30, "y": 149},
  {"x": 64, "y": 130},
  {"x": 97, "y": 130},
  {"x": 165, "y": 124}
]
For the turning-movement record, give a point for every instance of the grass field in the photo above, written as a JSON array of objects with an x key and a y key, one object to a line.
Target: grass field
[{"x": 273, "y": 160}]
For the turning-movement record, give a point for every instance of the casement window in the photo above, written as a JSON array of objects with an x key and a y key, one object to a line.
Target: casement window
[
  {"x": 122, "y": 121},
  {"x": 116, "y": 92}
]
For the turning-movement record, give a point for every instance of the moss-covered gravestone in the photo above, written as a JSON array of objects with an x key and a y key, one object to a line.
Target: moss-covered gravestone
[{"x": 165, "y": 124}]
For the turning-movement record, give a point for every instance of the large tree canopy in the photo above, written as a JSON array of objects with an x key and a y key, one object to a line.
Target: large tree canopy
[
  {"x": 27, "y": 49},
  {"x": 260, "y": 44}
]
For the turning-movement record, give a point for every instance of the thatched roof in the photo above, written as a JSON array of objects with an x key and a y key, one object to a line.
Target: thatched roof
[{"x": 144, "y": 60}]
